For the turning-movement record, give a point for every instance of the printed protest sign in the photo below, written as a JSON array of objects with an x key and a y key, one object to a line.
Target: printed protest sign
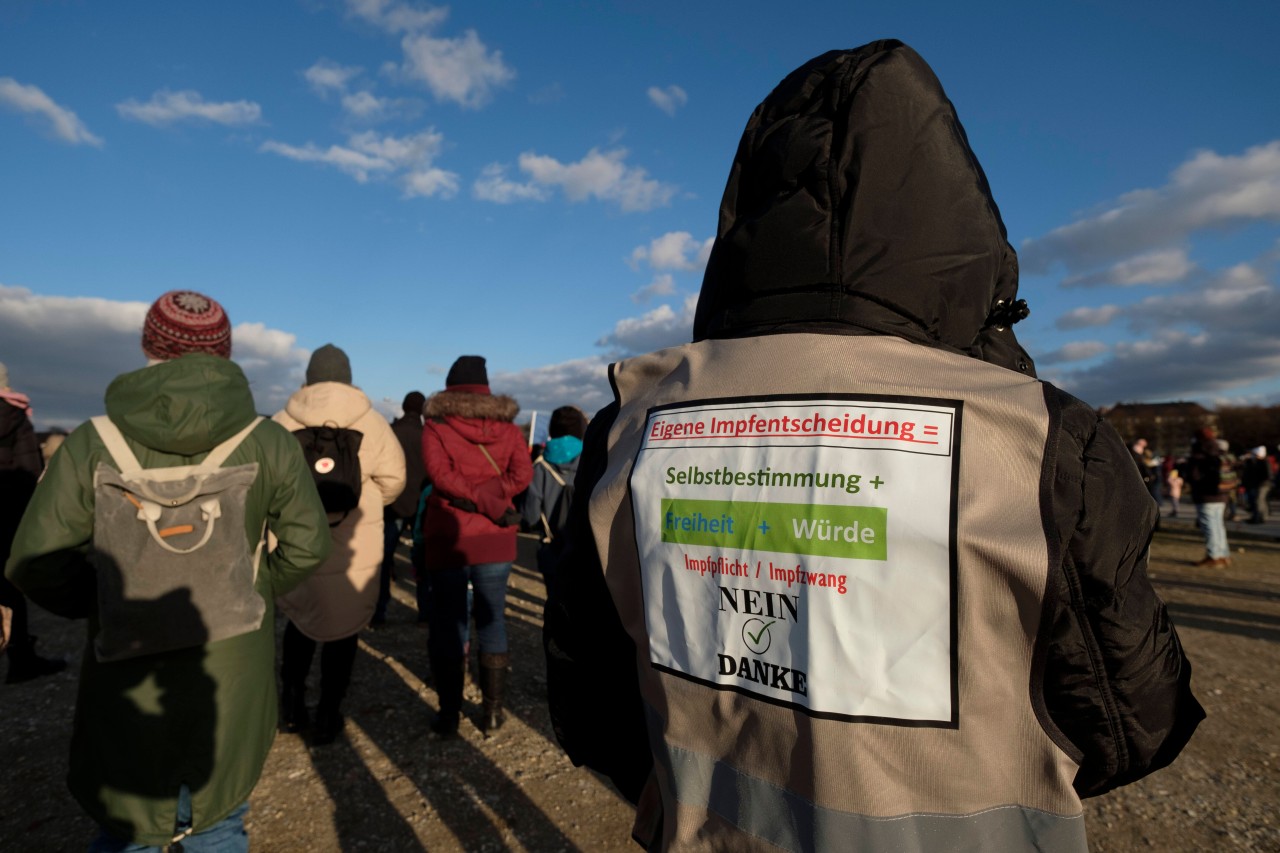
[{"x": 802, "y": 551}]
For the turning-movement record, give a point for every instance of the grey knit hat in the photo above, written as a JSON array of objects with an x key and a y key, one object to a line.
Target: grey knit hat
[{"x": 329, "y": 364}]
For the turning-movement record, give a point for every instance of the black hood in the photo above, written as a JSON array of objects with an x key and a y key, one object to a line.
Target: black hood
[{"x": 855, "y": 205}]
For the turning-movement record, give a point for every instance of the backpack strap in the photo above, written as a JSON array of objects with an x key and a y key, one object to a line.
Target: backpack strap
[
  {"x": 116, "y": 446},
  {"x": 128, "y": 463},
  {"x": 482, "y": 448},
  {"x": 485, "y": 451},
  {"x": 546, "y": 525},
  {"x": 219, "y": 454},
  {"x": 552, "y": 470}
]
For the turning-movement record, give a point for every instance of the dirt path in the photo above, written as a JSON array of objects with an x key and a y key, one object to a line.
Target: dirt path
[{"x": 385, "y": 786}]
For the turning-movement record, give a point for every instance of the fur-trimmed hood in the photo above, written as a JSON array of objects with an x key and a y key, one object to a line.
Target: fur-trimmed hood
[{"x": 459, "y": 404}]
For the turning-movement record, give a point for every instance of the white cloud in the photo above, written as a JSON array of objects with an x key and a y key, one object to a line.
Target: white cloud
[
  {"x": 1198, "y": 342},
  {"x": 600, "y": 175},
  {"x": 669, "y": 99},
  {"x": 462, "y": 70},
  {"x": 493, "y": 185},
  {"x": 409, "y": 158},
  {"x": 64, "y": 351},
  {"x": 1074, "y": 351},
  {"x": 364, "y": 105},
  {"x": 1207, "y": 191},
  {"x": 662, "y": 285},
  {"x": 660, "y": 328},
  {"x": 1163, "y": 266},
  {"x": 328, "y": 76},
  {"x": 354, "y": 163},
  {"x": 1080, "y": 318},
  {"x": 418, "y": 149},
  {"x": 368, "y": 107},
  {"x": 395, "y": 16},
  {"x": 167, "y": 107},
  {"x": 430, "y": 182},
  {"x": 675, "y": 250},
  {"x": 582, "y": 382},
  {"x": 61, "y": 122}
]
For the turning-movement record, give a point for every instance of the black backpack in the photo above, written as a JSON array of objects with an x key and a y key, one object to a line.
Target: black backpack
[{"x": 333, "y": 456}]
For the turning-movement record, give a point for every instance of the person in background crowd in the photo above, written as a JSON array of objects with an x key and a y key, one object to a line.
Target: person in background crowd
[
  {"x": 1274, "y": 463},
  {"x": 20, "y": 467},
  {"x": 1173, "y": 484},
  {"x": 1229, "y": 481},
  {"x": 546, "y": 503},
  {"x": 1150, "y": 473},
  {"x": 50, "y": 445},
  {"x": 6, "y": 621},
  {"x": 1255, "y": 477},
  {"x": 477, "y": 463},
  {"x": 1204, "y": 475},
  {"x": 335, "y": 603},
  {"x": 701, "y": 648},
  {"x": 167, "y": 746},
  {"x": 402, "y": 512}
]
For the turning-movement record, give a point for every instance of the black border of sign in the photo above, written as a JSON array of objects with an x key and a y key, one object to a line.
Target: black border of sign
[{"x": 953, "y": 542}]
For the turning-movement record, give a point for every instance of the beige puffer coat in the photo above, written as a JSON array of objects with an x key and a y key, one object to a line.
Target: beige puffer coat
[{"x": 338, "y": 600}]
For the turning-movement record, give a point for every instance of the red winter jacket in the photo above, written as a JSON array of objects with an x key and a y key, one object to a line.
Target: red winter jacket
[{"x": 457, "y": 422}]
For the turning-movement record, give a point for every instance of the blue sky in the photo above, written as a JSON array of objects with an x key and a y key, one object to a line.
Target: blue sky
[{"x": 538, "y": 182}]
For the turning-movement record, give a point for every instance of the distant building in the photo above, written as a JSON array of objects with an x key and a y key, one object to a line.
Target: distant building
[{"x": 1167, "y": 427}]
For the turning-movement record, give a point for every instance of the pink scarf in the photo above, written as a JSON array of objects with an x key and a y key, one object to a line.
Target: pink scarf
[{"x": 16, "y": 399}]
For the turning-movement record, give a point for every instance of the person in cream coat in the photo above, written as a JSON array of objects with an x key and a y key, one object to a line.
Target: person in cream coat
[{"x": 335, "y": 603}]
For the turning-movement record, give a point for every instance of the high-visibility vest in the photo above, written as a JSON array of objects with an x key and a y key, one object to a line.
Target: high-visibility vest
[{"x": 831, "y": 553}]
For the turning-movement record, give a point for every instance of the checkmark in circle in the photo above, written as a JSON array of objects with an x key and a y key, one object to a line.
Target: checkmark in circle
[{"x": 757, "y": 636}]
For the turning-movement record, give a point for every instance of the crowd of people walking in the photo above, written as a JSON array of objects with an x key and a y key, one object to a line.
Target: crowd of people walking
[
  {"x": 301, "y": 514},
  {"x": 1222, "y": 486},
  {"x": 960, "y": 681}
]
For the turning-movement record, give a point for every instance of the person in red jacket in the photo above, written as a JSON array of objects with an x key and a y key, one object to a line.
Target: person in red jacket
[{"x": 477, "y": 461}]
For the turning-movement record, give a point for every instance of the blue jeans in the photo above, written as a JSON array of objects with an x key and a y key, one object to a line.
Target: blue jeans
[
  {"x": 1209, "y": 516},
  {"x": 226, "y": 836},
  {"x": 450, "y": 621}
]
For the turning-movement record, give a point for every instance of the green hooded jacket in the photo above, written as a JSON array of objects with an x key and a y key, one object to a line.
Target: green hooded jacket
[{"x": 204, "y": 716}]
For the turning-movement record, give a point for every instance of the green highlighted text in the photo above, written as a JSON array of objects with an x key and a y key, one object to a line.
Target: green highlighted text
[{"x": 825, "y": 530}]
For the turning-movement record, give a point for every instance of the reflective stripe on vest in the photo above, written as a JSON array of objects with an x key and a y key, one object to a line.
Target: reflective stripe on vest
[{"x": 790, "y": 822}]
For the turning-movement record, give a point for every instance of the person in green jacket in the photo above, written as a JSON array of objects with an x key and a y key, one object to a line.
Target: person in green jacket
[{"x": 167, "y": 746}]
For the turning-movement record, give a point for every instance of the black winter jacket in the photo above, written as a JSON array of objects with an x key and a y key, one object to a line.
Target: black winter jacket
[{"x": 855, "y": 206}]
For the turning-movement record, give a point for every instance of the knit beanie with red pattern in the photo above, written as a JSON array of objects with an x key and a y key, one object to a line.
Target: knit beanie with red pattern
[{"x": 183, "y": 321}]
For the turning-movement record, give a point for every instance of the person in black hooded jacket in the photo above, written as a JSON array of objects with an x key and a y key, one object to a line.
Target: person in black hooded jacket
[
  {"x": 20, "y": 467},
  {"x": 858, "y": 242}
]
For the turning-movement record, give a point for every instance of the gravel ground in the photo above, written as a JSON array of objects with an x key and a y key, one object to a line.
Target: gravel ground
[{"x": 385, "y": 786}]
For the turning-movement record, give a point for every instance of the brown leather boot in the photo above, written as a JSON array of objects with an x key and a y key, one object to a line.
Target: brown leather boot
[{"x": 493, "y": 682}]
